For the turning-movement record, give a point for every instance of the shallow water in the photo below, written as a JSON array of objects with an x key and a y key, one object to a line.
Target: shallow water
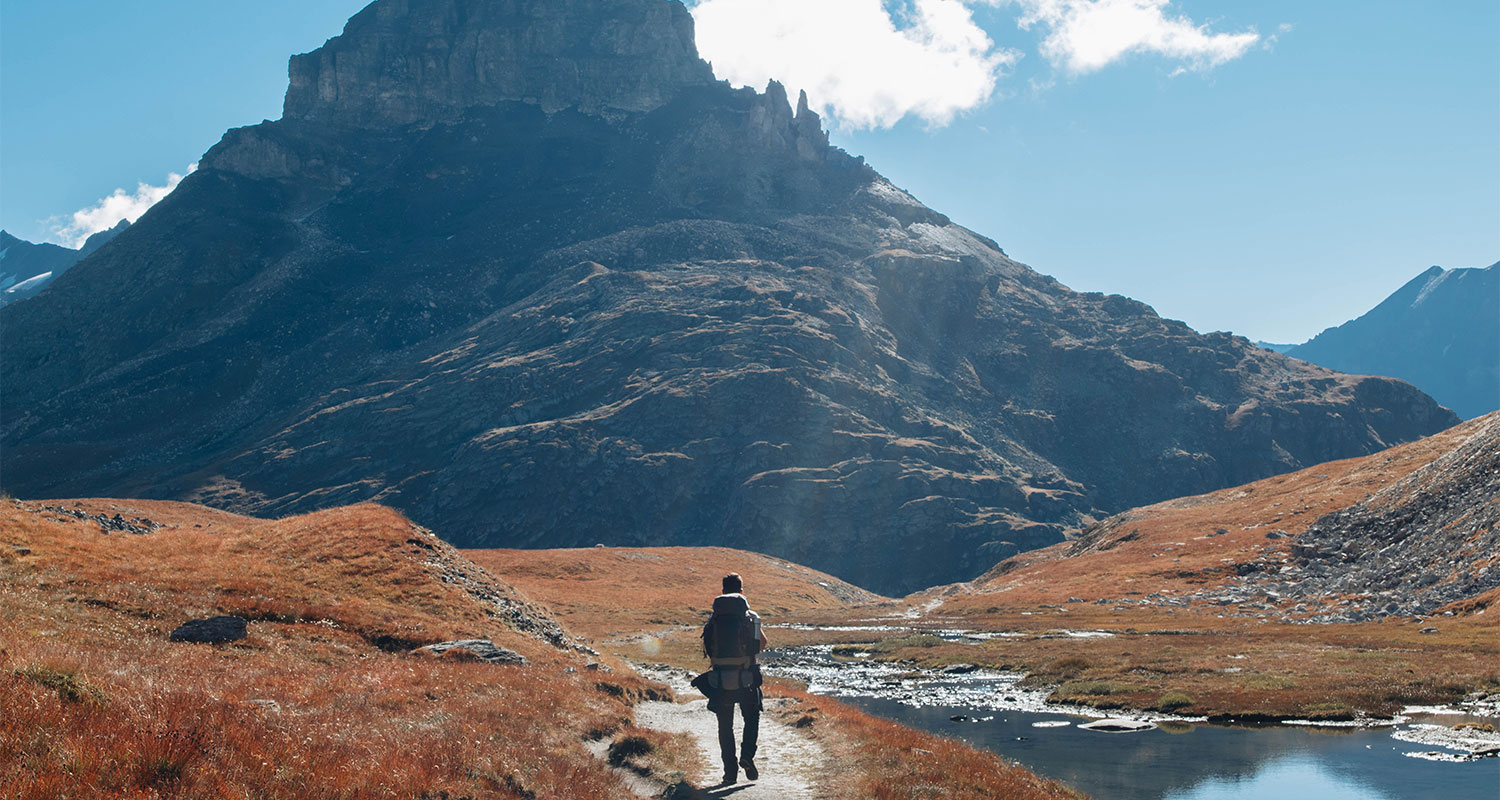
[
  {"x": 1206, "y": 762},
  {"x": 1180, "y": 761}
]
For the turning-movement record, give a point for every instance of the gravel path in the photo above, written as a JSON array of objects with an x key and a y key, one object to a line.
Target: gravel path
[{"x": 792, "y": 764}]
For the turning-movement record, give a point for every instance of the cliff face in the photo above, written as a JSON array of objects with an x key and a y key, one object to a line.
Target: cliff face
[
  {"x": 419, "y": 61},
  {"x": 660, "y": 315},
  {"x": 1441, "y": 331}
]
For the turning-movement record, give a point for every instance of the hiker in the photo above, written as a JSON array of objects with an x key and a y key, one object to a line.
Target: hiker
[{"x": 731, "y": 639}]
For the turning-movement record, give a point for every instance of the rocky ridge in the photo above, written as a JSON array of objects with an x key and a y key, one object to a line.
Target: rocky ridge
[
  {"x": 650, "y": 310},
  {"x": 1428, "y": 541}
]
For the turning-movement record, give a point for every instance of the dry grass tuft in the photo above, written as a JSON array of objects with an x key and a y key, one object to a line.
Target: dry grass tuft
[{"x": 881, "y": 760}]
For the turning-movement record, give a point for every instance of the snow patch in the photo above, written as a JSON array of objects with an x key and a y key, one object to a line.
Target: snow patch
[{"x": 30, "y": 283}]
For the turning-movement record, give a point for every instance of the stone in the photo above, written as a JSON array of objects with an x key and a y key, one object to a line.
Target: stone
[
  {"x": 213, "y": 630},
  {"x": 21, "y": 551},
  {"x": 475, "y": 649}
]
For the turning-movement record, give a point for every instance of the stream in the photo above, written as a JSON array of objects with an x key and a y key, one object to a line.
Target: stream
[{"x": 1176, "y": 758}]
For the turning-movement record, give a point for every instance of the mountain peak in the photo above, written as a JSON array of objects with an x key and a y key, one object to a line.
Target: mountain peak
[{"x": 401, "y": 62}]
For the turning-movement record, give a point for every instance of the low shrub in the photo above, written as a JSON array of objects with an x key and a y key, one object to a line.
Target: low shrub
[
  {"x": 66, "y": 682},
  {"x": 1172, "y": 701},
  {"x": 1069, "y": 666}
]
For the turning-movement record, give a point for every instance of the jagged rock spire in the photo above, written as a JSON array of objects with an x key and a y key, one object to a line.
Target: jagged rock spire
[{"x": 400, "y": 62}]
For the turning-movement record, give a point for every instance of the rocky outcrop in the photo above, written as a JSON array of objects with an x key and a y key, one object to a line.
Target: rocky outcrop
[
  {"x": 402, "y": 62},
  {"x": 678, "y": 316},
  {"x": 476, "y": 650},
  {"x": 1438, "y": 332},
  {"x": 214, "y": 630}
]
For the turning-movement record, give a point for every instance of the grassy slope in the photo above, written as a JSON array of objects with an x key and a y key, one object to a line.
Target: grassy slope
[
  {"x": 604, "y": 592},
  {"x": 1191, "y": 542},
  {"x": 1197, "y": 660},
  {"x": 100, "y": 704}
]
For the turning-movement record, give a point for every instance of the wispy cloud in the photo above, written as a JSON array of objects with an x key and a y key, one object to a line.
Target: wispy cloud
[
  {"x": 866, "y": 66},
  {"x": 75, "y": 229},
  {"x": 1087, "y": 35}
]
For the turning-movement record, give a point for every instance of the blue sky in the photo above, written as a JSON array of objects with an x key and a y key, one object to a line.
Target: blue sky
[{"x": 1270, "y": 168}]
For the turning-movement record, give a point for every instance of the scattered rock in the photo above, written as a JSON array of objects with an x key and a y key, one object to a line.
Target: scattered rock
[
  {"x": 21, "y": 551},
  {"x": 214, "y": 630},
  {"x": 959, "y": 669},
  {"x": 1428, "y": 630},
  {"x": 959, "y": 718},
  {"x": 475, "y": 649},
  {"x": 266, "y": 705},
  {"x": 107, "y": 524}
]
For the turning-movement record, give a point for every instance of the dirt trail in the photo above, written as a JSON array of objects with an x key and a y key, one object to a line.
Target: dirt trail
[{"x": 792, "y": 764}]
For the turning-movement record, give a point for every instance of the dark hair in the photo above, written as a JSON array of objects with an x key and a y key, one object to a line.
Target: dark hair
[{"x": 732, "y": 583}]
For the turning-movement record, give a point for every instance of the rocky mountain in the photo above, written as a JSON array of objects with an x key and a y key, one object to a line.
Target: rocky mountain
[
  {"x": 527, "y": 272},
  {"x": 27, "y": 268},
  {"x": 1441, "y": 332}
]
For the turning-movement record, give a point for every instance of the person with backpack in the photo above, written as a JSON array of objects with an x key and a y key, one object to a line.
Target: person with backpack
[{"x": 732, "y": 638}]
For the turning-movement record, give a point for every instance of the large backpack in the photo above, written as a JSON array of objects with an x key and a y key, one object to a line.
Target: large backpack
[{"x": 730, "y": 634}]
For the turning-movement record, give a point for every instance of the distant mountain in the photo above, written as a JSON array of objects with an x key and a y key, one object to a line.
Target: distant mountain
[
  {"x": 1275, "y": 348},
  {"x": 529, "y": 273},
  {"x": 1440, "y": 332},
  {"x": 27, "y": 268}
]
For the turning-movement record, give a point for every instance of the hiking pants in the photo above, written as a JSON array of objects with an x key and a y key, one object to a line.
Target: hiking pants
[{"x": 750, "y": 710}]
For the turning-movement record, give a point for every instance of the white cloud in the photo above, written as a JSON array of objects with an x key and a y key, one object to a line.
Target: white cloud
[
  {"x": 108, "y": 212},
  {"x": 858, "y": 62},
  {"x": 1087, "y": 35}
]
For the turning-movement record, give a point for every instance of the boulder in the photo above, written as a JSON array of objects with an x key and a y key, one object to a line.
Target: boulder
[
  {"x": 475, "y": 650},
  {"x": 214, "y": 630}
]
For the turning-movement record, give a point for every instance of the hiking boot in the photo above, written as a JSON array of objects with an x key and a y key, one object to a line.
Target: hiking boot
[
  {"x": 731, "y": 777},
  {"x": 750, "y": 771}
]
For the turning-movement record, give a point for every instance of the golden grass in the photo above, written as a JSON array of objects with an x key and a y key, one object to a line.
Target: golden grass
[
  {"x": 604, "y": 592},
  {"x": 1186, "y": 544},
  {"x": 881, "y": 760},
  {"x": 98, "y": 704}
]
